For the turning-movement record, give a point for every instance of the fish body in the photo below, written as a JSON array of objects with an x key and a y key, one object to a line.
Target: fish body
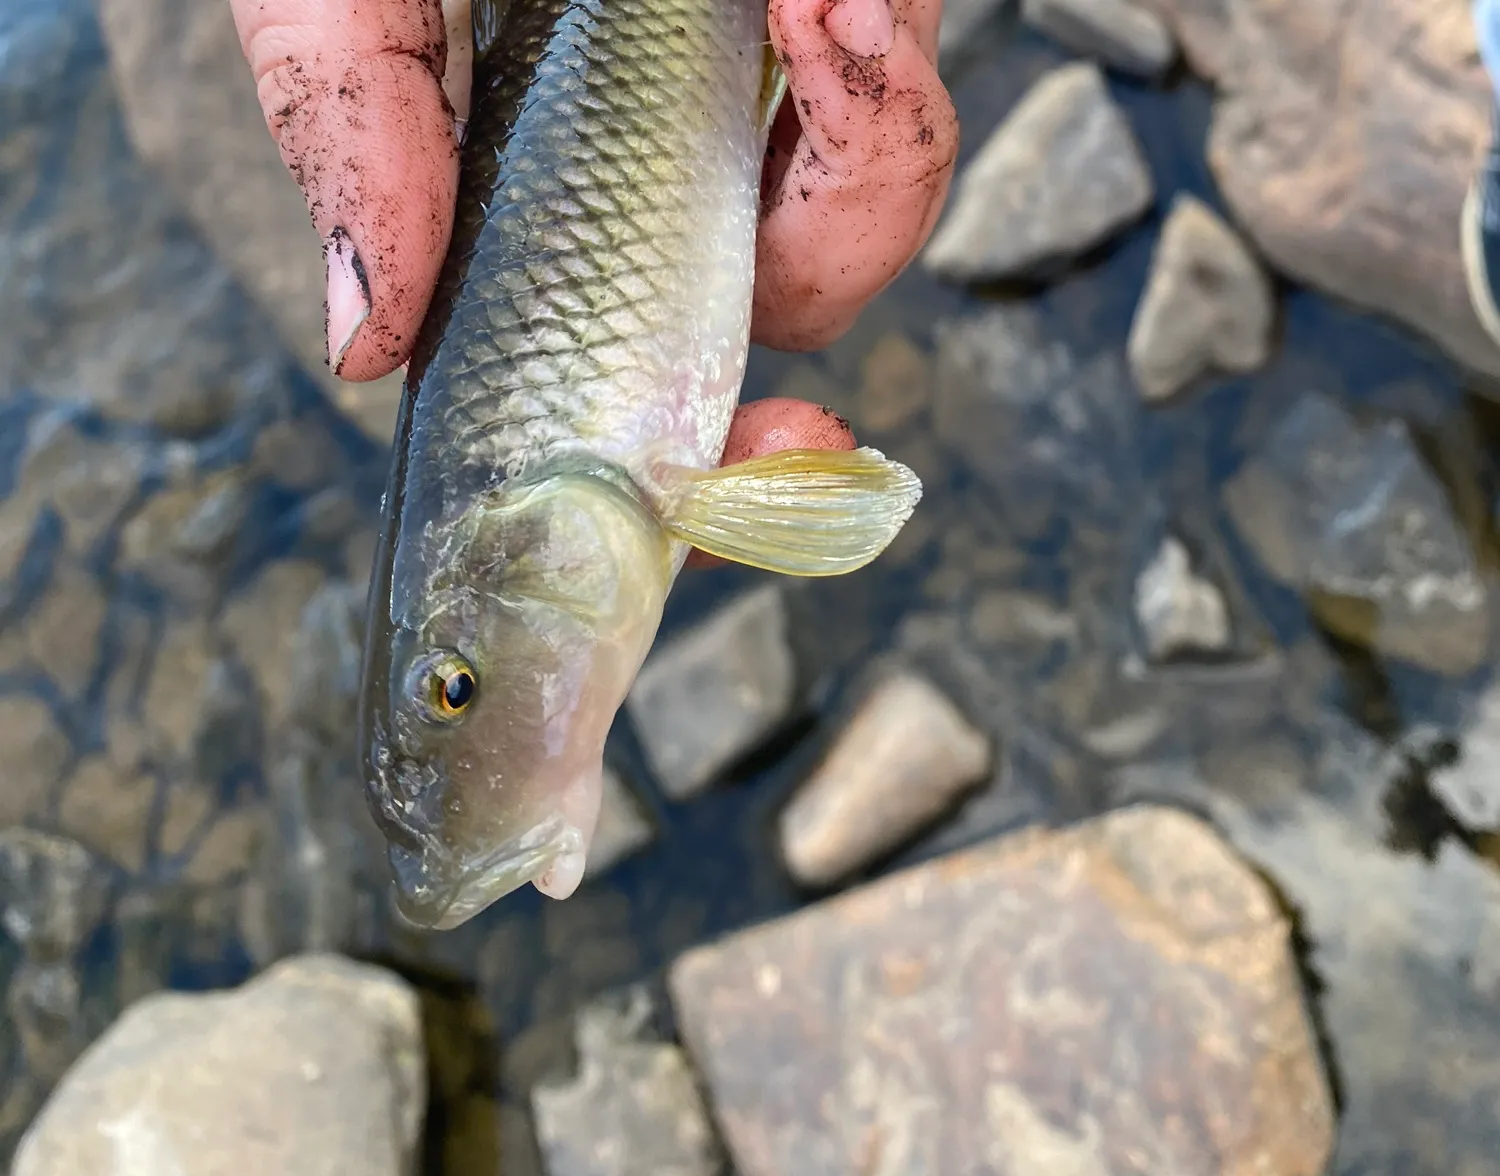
[{"x": 566, "y": 406}]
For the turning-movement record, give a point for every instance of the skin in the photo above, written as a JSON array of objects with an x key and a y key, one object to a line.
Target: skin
[{"x": 362, "y": 97}]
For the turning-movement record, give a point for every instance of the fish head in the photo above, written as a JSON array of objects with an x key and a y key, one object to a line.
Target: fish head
[{"x": 485, "y": 713}]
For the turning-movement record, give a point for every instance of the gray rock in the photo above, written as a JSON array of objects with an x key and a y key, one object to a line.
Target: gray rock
[
  {"x": 896, "y": 384},
  {"x": 624, "y": 828},
  {"x": 57, "y": 637},
  {"x": 52, "y": 892},
  {"x": 905, "y": 756},
  {"x": 634, "y": 1106},
  {"x": 1179, "y": 611},
  {"x": 89, "y": 483},
  {"x": 180, "y": 538},
  {"x": 316, "y": 1066},
  {"x": 712, "y": 694},
  {"x": 1470, "y": 788},
  {"x": 1119, "y": 33},
  {"x": 1207, "y": 305},
  {"x": 1354, "y": 518},
  {"x": 262, "y": 623},
  {"x": 964, "y": 20},
  {"x": 1062, "y": 174},
  {"x": 34, "y": 751},
  {"x": 1086, "y": 1000},
  {"x": 107, "y": 808}
]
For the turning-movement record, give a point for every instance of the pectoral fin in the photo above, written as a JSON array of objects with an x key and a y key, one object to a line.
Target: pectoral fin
[{"x": 801, "y": 512}]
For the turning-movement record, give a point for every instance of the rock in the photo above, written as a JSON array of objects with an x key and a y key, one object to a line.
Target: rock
[
  {"x": 109, "y": 810},
  {"x": 52, "y": 892},
  {"x": 633, "y": 1107},
  {"x": 623, "y": 830},
  {"x": 181, "y": 538},
  {"x": 1004, "y": 617},
  {"x": 1119, "y": 33},
  {"x": 89, "y": 483},
  {"x": 189, "y": 104},
  {"x": 897, "y": 383},
  {"x": 1306, "y": 146},
  {"x": 58, "y": 636},
  {"x": 1354, "y": 518},
  {"x": 1179, "y": 611},
  {"x": 1062, "y": 174},
  {"x": 1087, "y": 1000},
  {"x": 34, "y": 751},
  {"x": 711, "y": 695},
  {"x": 904, "y": 758},
  {"x": 315, "y": 1066},
  {"x": 1470, "y": 788},
  {"x": 1207, "y": 305},
  {"x": 179, "y": 676},
  {"x": 964, "y": 20},
  {"x": 262, "y": 623}
]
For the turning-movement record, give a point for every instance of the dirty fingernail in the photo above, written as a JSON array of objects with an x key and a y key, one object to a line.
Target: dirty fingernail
[
  {"x": 864, "y": 28},
  {"x": 348, "y": 295}
]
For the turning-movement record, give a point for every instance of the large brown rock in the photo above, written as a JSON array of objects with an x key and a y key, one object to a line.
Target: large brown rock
[
  {"x": 1117, "y": 997},
  {"x": 1343, "y": 139}
]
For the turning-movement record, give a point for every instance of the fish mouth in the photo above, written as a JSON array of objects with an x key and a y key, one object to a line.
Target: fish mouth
[{"x": 438, "y": 891}]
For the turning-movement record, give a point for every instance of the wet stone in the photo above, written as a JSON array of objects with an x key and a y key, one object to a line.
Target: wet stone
[
  {"x": 634, "y": 1105},
  {"x": 262, "y": 623},
  {"x": 1002, "y": 616},
  {"x": 712, "y": 694},
  {"x": 34, "y": 750},
  {"x": 89, "y": 482},
  {"x": 1179, "y": 611},
  {"x": 58, "y": 636},
  {"x": 185, "y": 658},
  {"x": 1470, "y": 787},
  {"x": 1062, "y": 174},
  {"x": 896, "y": 385},
  {"x": 905, "y": 757},
  {"x": 180, "y": 537},
  {"x": 1121, "y": 34},
  {"x": 624, "y": 828},
  {"x": 1207, "y": 305},
  {"x": 1118, "y": 996},
  {"x": 299, "y": 454},
  {"x": 1353, "y": 517},
  {"x": 315, "y": 1066},
  {"x": 109, "y": 810},
  {"x": 52, "y": 892}
]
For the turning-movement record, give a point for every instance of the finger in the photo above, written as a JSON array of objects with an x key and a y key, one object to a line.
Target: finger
[
  {"x": 769, "y": 426},
  {"x": 866, "y": 181},
  {"x": 458, "y": 77},
  {"x": 352, "y": 93}
]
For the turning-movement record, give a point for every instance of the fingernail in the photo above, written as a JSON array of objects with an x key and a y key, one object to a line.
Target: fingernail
[
  {"x": 348, "y": 302},
  {"x": 864, "y": 28},
  {"x": 460, "y": 128}
]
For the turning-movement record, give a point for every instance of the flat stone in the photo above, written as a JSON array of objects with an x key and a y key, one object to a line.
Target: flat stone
[
  {"x": 34, "y": 750},
  {"x": 52, "y": 892},
  {"x": 712, "y": 694},
  {"x": 623, "y": 830},
  {"x": 313, "y": 1067},
  {"x": 1179, "y": 611},
  {"x": 905, "y": 757},
  {"x": 1119, "y": 33},
  {"x": 1207, "y": 305},
  {"x": 1062, "y": 174},
  {"x": 897, "y": 383},
  {"x": 1363, "y": 200},
  {"x": 634, "y": 1105},
  {"x": 90, "y": 483},
  {"x": 1002, "y": 616},
  {"x": 1354, "y": 518},
  {"x": 108, "y": 810},
  {"x": 179, "y": 537},
  {"x": 262, "y": 623},
  {"x": 1470, "y": 788},
  {"x": 174, "y": 691},
  {"x": 1120, "y": 996},
  {"x": 58, "y": 636}
]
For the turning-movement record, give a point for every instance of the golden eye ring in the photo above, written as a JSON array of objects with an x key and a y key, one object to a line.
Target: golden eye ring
[{"x": 451, "y": 686}]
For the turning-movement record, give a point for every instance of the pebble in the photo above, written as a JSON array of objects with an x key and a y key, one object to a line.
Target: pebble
[
  {"x": 1470, "y": 788},
  {"x": 1121, "y": 34},
  {"x": 905, "y": 757},
  {"x": 52, "y": 892},
  {"x": 108, "y": 810},
  {"x": 179, "y": 675},
  {"x": 1207, "y": 306},
  {"x": 313, "y": 1068},
  {"x": 1002, "y": 616},
  {"x": 58, "y": 636},
  {"x": 896, "y": 385},
  {"x": 709, "y": 696},
  {"x": 634, "y": 1105},
  {"x": 178, "y": 537},
  {"x": 1353, "y": 517},
  {"x": 1118, "y": 996},
  {"x": 1179, "y": 612},
  {"x": 89, "y": 483},
  {"x": 624, "y": 828},
  {"x": 262, "y": 623},
  {"x": 1061, "y": 175},
  {"x": 35, "y": 752}
]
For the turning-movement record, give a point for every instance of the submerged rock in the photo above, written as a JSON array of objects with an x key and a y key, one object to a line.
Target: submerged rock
[
  {"x": 904, "y": 757},
  {"x": 1088, "y": 1000},
  {"x": 1120, "y": 33},
  {"x": 314, "y": 1067},
  {"x": 1207, "y": 305},
  {"x": 1179, "y": 611},
  {"x": 1470, "y": 787},
  {"x": 634, "y": 1105},
  {"x": 1062, "y": 174},
  {"x": 709, "y": 696},
  {"x": 1348, "y": 169},
  {"x": 1354, "y": 518},
  {"x": 623, "y": 830}
]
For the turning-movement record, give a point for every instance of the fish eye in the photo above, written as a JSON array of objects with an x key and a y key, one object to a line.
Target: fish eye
[{"x": 447, "y": 685}]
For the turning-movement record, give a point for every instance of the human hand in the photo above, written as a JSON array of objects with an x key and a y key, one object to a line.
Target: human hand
[{"x": 361, "y": 96}]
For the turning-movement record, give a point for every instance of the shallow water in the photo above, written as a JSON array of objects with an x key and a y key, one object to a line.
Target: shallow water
[{"x": 182, "y": 513}]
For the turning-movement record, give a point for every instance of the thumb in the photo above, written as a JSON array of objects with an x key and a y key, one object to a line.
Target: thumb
[{"x": 352, "y": 92}]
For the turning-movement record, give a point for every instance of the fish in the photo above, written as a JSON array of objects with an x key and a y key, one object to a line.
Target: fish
[
  {"x": 1479, "y": 221},
  {"x": 557, "y": 448}
]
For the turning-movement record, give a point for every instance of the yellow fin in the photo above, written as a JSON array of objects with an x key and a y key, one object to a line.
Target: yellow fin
[
  {"x": 772, "y": 90},
  {"x": 801, "y": 512}
]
